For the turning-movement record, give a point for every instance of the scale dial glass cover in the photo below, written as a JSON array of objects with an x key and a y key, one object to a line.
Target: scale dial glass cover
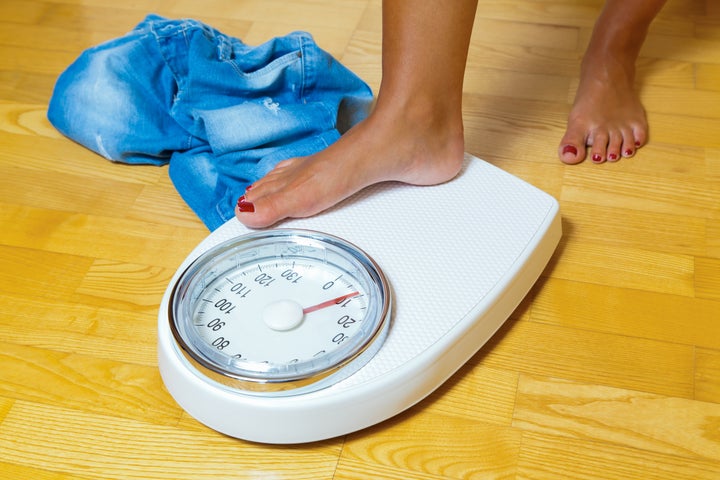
[{"x": 280, "y": 312}]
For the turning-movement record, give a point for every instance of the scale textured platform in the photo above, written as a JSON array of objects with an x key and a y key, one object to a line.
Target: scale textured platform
[{"x": 458, "y": 256}]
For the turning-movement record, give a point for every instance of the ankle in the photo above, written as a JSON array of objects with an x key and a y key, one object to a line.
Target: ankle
[
  {"x": 425, "y": 144},
  {"x": 617, "y": 39},
  {"x": 422, "y": 114}
]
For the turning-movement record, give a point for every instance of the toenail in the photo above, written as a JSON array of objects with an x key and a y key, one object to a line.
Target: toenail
[
  {"x": 569, "y": 149},
  {"x": 612, "y": 156},
  {"x": 596, "y": 158},
  {"x": 628, "y": 152},
  {"x": 637, "y": 143},
  {"x": 245, "y": 207}
]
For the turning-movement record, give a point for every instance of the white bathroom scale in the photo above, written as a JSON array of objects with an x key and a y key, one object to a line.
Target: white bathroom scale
[{"x": 322, "y": 326}]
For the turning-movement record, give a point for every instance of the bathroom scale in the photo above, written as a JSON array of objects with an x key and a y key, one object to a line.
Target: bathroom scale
[{"x": 323, "y": 326}]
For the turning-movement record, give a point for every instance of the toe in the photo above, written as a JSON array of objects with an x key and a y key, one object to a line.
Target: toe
[
  {"x": 598, "y": 149},
  {"x": 628, "y": 144},
  {"x": 571, "y": 154},
  {"x": 572, "y": 147},
  {"x": 256, "y": 208},
  {"x": 614, "y": 146},
  {"x": 640, "y": 137},
  {"x": 258, "y": 214}
]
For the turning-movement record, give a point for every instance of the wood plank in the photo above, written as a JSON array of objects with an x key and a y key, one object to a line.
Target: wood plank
[
  {"x": 632, "y": 268},
  {"x": 707, "y": 278},
  {"x": 686, "y": 49},
  {"x": 161, "y": 203},
  {"x": 531, "y": 59},
  {"x": 99, "y": 446},
  {"x": 160, "y": 4},
  {"x": 608, "y": 369},
  {"x": 680, "y": 101},
  {"x": 451, "y": 447},
  {"x": 25, "y": 119},
  {"x": 664, "y": 425},
  {"x": 64, "y": 325},
  {"x": 493, "y": 32},
  {"x": 712, "y": 238},
  {"x": 22, "y": 12},
  {"x": 621, "y": 311},
  {"x": 5, "y": 405},
  {"x": 25, "y": 87},
  {"x": 348, "y": 469},
  {"x": 580, "y": 13},
  {"x": 528, "y": 86},
  {"x": 114, "y": 20},
  {"x": 315, "y": 13},
  {"x": 663, "y": 232},
  {"x": 87, "y": 383},
  {"x": 549, "y": 457},
  {"x": 707, "y": 375},
  {"x": 18, "y": 471},
  {"x": 667, "y": 73},
  {"x": 671, "y": 193},
  {"x": 126, "y": 283},
  {"x": 61, "y": 192},
  {"x": 591, "y": 357},
  {"x": 92, "y": 236},
  {"x": 476, "y": 392},
  {"x": 691, "y": 131},
  {"x": 708, "y": 76},
  {"x": 54, "y": 38},
  {"x": 30, "y": 154},
  {"x": 492, "y": 124},
  {"x": 29, "y": 60},
  {"x": 36, "y": 273}
]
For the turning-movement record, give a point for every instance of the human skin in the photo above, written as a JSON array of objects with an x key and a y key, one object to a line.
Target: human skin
[
  {"x": 607, "y": 121},
  {"x": 415, "y": 132},
  {"x": 413, "y": 135}
]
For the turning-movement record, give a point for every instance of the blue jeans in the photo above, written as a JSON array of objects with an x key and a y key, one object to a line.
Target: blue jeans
[{"x": 220, "y": 112}]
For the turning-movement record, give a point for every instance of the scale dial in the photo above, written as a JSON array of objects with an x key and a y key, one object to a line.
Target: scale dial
[{"x": 280, "y": 312}]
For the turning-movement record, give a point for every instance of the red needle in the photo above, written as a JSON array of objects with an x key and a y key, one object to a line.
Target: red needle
[{"x": 330, "y": 303}]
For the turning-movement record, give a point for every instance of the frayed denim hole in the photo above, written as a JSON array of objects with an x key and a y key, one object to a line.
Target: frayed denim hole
[{"x": 224, "y": 49}]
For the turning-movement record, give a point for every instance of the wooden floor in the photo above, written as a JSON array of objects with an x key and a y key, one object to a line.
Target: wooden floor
[{"x": 610, "y": 369}]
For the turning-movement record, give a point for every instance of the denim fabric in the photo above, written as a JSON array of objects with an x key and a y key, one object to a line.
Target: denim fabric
[{"x": 220, "y": 112}]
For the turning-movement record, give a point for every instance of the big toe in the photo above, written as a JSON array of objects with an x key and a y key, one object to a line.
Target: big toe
[
  {"x": 258, "y": 214},
  {"x": 572, "y": 146},
  {"x": 570, "y": 153}
]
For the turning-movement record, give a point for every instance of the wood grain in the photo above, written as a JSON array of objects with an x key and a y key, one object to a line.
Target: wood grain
[{"x": 609, "y": 369}]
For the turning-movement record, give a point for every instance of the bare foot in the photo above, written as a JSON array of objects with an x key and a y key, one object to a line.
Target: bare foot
[
  {"x": 607, "y": 115},
  {"x": 414, "y": 134},
  {"x": 417, "y": 149}
]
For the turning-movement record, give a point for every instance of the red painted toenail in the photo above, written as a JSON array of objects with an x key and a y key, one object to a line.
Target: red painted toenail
[
  {"x": 628, "y": 152},
  {"x": 637, "y": 143},
  {"x": 245, "y": 207},
  {"x": 569, "y": 149},
  {"x": 596, "y": 158},
  {"x": 612, "y": 156}
]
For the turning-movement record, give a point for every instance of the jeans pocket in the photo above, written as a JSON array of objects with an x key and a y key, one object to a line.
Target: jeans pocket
[{"x": 264, "y": 68}]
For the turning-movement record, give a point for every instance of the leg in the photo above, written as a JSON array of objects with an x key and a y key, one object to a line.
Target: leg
[
  {"x": 413, "y": 135},
  {"x": 607, "y": 114}
]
